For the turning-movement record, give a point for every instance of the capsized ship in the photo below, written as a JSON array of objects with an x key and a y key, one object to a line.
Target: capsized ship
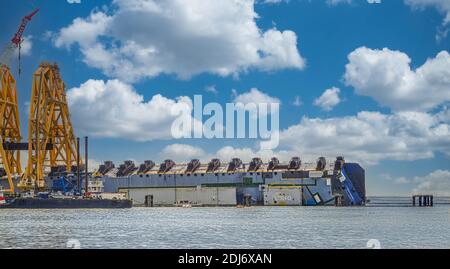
[{"x": 236, "y": 183}]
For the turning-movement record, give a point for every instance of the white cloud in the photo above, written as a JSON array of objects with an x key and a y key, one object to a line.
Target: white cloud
[
  {"x": 212, "y": 89},
  {"x": 329, "y": 99},
  {"x": 367, "y": 138},
  {"x": 401, "y": 181},
  {"x": 337, "y": 2},
  {"x": 83, "y": 31},
  {"x": 26, "y": 46},
  {"x": 115, "y": 109},
  {"x": 255, "y": 96},
  {"x": 386, "y": 76},
  {"x": 436, "y": 183},
  {"x": 74, "y": 1},
  {"x": 246, "y": 154},
  {"x": 370, "y": 137},
  {"x": 329, "y": 2},
  {"x": 183, "y": 153},
  {"x": 273, "y": 1},
  {"x": 146, "y": 38},
  {"x": 442, "y": 6}
]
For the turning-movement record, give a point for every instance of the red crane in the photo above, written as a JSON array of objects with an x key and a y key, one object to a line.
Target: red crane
[{"x": 16, "y": 41}]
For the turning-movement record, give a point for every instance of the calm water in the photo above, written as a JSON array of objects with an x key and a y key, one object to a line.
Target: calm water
[{"x": 256, "y": 227}]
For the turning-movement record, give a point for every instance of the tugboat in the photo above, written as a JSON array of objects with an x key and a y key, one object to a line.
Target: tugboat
[{"x": 2, "y": 197}]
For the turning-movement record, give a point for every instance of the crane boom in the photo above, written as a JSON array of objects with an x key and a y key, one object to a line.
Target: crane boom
[
  {"x": 18, "y": 36},
  {"x": 9, "y": 49}
]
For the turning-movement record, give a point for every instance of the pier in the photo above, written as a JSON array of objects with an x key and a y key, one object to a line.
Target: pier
[{"x": 423, "y": 200}]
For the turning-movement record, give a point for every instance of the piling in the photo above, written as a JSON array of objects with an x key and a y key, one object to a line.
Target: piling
[
  {"x": 78, "y": 165},
  {"x": 424, "y": 200},
  {"x": 86, "y": 165}
]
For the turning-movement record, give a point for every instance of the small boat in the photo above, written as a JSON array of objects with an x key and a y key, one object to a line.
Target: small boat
[
  {"x": 2, "y": 197},
  {"x": 184, "y": 204}
]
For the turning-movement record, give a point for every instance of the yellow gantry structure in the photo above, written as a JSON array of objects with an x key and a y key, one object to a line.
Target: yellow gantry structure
[
  {"x": 51, "y": 139},
  {"x": 9, "y": 127}
]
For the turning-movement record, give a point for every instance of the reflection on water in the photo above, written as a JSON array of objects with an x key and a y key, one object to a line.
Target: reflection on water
[{"x": 256, "y": 227}]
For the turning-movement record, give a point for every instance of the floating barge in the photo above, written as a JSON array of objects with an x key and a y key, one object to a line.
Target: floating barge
[
  {"x": 234, "y": 183},
  {"x": 35, "y": 203},
  {"x": 65, "y": 197}
]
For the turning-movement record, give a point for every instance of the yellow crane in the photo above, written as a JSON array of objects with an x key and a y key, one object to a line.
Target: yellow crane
[
  {"x": 9, "y": 127},
  {"x": 51, "y": 139}
]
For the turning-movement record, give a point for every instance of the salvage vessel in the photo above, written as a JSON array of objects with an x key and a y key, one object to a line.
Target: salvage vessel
[
  {"x": 35, "y": 203},
  {"x": 67, "y": 198}
]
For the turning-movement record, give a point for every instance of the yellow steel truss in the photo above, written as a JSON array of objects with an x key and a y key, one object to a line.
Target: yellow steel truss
[
  {"x": 9, "y": 127},
  {"x": 49, "y": 124}
]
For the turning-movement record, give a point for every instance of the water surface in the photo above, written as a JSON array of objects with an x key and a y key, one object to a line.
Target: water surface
[{"x": 256, "y": 227}]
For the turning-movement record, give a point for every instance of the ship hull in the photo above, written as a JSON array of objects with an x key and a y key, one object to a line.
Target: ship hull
[{"x": 29, "y": 203}]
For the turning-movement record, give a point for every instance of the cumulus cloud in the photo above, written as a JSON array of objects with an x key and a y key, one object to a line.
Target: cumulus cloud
[
  {"x": 26, "y": 46},
  {"x": 183, "y": 152},
  {"x": 115, "y": 109},
  {"x": 436, "y": 183},
  {"x": 367, "y": 137},
  {"x": 83, "y": 31},
  {"x": 386, "y": 76},
  {"x": 74, "y": 1},
  {"x": 329, "y": 99},
  {"x": 370, "y": 137},
  {"x": 255, "y": 96},
  {"x": 146, "y": 38}
]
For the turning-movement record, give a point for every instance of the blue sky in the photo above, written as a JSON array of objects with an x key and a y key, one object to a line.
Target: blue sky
[{"x": 382, "y": 103}]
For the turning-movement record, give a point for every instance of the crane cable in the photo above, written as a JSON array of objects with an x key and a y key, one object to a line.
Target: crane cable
[{"x": 20, "y": 47}]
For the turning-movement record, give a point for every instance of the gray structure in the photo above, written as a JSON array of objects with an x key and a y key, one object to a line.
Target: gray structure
[{"x": 210, "y": 184}]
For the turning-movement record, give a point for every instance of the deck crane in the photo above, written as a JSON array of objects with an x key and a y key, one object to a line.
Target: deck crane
[
  {"x": 16, "y": 41},
  {"x": 10, "y": 138}
]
